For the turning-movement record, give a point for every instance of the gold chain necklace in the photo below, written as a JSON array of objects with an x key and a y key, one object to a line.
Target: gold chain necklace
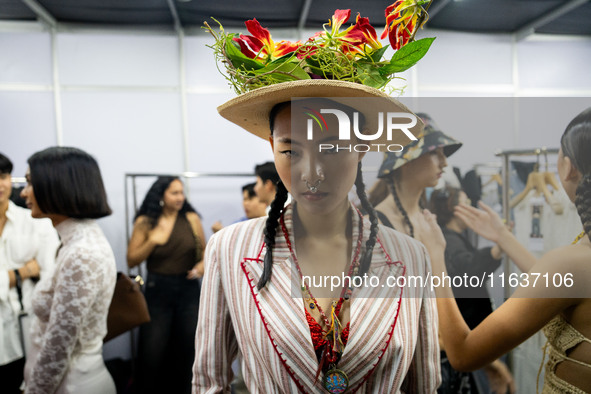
[{"x": 578, "y": 238}]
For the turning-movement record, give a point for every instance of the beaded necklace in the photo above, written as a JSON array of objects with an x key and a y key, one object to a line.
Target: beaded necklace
[{"x": 335, "y": 380}]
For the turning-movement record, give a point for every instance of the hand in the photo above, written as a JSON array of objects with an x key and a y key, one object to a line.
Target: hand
[
  {"x": 159, "y": 235},
  {"x": 31, "y": 269},
  {"x": 217, "y": 226},
  {"x": 484, "y": 222},
  {"x": 197, "y": 271},
  {"x": 500, "y": 379},
  {"x": 431, "y": 235}
]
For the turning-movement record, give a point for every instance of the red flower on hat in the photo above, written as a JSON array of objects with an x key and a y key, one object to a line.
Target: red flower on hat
[
  {"x": 260, "y": 45},
  {"x": 402, "y": 18}
]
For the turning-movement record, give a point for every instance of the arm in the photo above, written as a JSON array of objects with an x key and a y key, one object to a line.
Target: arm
[
  {"x": 141, "y": 243},
  {"x": 78, "y": 283},
  {"x": 193, "y": 218},
  {"x": 424, "y": 375},
  {"x": 47, "y": 247},
  {"x": 487, "y": 223},
  {"x": 215, "y": 342},
  {"x": 516, "y": 320}
]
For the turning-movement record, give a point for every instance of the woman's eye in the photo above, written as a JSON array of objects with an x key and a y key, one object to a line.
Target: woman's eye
[{"x": 288, "y": 153}]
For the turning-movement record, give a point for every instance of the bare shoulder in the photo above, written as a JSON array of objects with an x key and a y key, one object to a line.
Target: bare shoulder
[
  {"x": 193, "y": 218},
  {"x": 142, "y": 223}
]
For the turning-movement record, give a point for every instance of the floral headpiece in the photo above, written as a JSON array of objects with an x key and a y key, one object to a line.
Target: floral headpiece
[{"x": 354, "y": 54}]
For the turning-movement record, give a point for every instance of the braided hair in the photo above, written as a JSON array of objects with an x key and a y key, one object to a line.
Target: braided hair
[
  {"x": 277, "y": 207},
  {"x": 390, "y": 182},
  {"x": 365, "y": 260},
  {"x": 576, "y": 144}
]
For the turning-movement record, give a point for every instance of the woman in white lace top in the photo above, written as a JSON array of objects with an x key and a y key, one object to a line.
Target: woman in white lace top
[{"x": 65, "y": 185}]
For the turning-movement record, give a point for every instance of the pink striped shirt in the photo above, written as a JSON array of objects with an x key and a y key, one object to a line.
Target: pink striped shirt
[{"x": 392, "y": 347}]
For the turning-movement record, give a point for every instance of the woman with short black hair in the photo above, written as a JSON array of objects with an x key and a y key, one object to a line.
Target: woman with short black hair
[{"x": 65, "y": 185}]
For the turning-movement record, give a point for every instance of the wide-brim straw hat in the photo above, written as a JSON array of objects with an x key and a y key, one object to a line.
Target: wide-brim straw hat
[
  {"x": 251, "y": 110},
  {"x": 432, "y": 139}
]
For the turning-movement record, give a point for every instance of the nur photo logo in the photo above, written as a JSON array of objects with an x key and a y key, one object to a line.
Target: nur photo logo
[{"x": 388, "y": 122}]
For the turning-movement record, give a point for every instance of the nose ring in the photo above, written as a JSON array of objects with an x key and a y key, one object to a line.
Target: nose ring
[{"x": 313, "y": 188}]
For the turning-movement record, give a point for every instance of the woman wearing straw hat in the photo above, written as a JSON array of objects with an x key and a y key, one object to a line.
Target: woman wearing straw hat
[{"x": 296, "y": 334}]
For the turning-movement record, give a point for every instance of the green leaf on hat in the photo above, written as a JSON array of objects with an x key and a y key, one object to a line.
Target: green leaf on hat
[
  {"x": 370, "y": 75},
  {"x": 283, "y": 70},
  {"x": 376, "y": 56},
  {"x": 407, "y": 56}
]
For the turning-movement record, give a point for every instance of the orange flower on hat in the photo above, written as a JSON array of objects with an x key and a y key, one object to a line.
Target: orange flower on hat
[
  {"x": 260, "y": 45},
  {"x": 402, "y": 18}
]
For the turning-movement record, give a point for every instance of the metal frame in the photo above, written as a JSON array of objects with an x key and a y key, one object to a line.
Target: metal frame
[{"x": 505, "y": 173}]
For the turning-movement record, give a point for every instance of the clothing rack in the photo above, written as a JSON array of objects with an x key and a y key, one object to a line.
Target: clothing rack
[
  {"x": 505, "y": 173},
  {"x": 492, "y": 167}
]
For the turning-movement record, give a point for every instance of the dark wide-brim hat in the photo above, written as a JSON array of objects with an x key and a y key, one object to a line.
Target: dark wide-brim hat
[
  {"x": 251, "y": 110},
  {"x": 432, "y": 139}
]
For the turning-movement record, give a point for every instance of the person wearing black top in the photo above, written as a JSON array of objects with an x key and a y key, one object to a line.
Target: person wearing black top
[{"x": 462, "y": 258}]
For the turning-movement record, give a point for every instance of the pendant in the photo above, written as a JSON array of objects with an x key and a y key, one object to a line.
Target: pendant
[{"x": 336, "y": 381}]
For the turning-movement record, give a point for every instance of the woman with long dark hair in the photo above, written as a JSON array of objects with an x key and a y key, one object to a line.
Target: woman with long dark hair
[
  {"x": 65, "y": 185},
  {"x": 559, "y": 302},
  {"x": 168, "y": 234}
]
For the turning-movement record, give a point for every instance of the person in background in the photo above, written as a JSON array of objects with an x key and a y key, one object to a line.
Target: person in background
[
  {"x": 266, "y": 184},
  {"x": 168, "y": 234},
  {"x": 27, "y": 251},
  {"x": 253, "y": 207},
  {"x": 474, "y": 302},
  {"x": 65, "y": 185},
  {"x": 399, "y": 195},
  {"x": 562, "y": 309}
]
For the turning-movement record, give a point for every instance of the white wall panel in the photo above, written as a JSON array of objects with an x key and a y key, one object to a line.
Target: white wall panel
[
  {"x": 555, "y": 64},
  {"x": 25, "y": 58},
  {"x": 27, "y": 124},
  {"x": 118, "y": 59},
  {"x": 464, "y": 59}
]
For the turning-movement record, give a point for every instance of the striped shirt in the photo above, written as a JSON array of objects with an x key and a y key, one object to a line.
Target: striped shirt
[{"x": 392, "y": 346}]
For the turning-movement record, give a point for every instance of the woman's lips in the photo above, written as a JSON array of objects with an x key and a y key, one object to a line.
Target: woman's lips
[{"x": 314, "y": 196}]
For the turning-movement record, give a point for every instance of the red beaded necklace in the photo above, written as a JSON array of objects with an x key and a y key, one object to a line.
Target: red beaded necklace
[{"x": 335, "y": 380}]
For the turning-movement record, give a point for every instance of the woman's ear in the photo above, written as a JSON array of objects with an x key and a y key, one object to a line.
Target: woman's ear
[{"x": 572, "y": 173}]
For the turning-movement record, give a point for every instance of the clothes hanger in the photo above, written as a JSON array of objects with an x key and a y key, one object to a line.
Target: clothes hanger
[
  {"x": 494, "y": 178},
  {"x": 550, "y": 177},
  {"x": 536, "y": 180}
]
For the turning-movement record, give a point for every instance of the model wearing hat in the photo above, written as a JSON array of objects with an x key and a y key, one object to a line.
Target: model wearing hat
[
  {"x": 301, "y": 336},
  {"x": 406, "y": 175}
]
